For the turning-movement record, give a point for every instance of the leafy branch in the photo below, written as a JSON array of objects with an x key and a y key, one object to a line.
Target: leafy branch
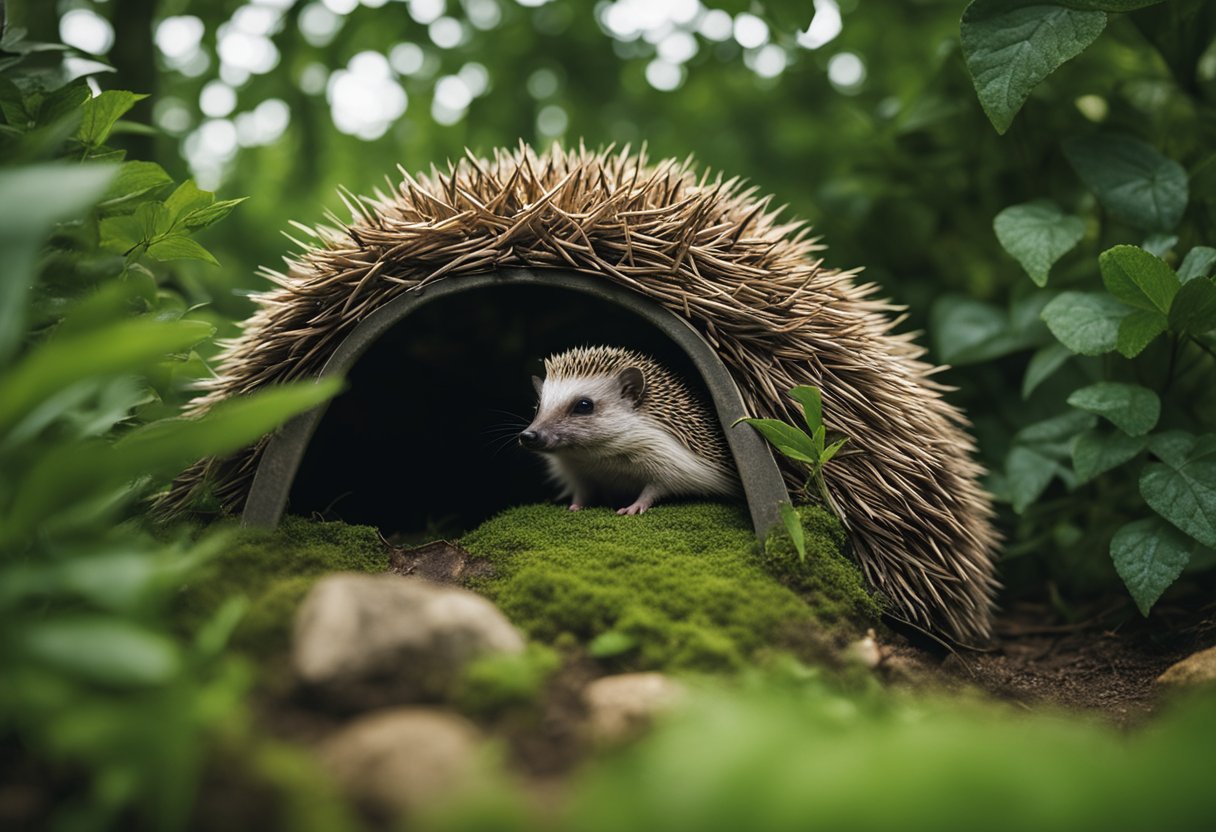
[{"x": 807, "y": 446}]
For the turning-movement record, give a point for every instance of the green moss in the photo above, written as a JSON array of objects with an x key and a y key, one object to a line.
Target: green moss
[
  {"x": 682, "y": 584},
  {"x": 274, "y": 570},
  {"x": 494, "y": 682},
  {"x": 831, "y": 583}
]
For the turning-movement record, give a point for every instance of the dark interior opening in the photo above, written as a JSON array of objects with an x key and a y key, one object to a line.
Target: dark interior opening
[{"x": 423, "y": 442}]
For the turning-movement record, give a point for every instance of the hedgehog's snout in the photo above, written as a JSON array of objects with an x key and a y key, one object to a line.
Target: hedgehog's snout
[{"x": 531, "y": 440}]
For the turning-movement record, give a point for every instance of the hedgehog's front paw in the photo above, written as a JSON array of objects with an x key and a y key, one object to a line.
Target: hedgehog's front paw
[
  {"x": 575, "y": 506},
  {"x": 639, "y": 507}
]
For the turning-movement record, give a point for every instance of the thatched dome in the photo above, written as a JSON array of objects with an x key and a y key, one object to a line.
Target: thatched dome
[{"x": 709, "y": 250}]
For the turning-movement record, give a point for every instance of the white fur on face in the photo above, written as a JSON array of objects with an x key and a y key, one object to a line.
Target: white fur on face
[{"x": 618, "y": 449}]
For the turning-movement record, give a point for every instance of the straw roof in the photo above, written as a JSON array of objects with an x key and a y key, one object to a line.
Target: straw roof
[{"x": 709, "y": 249}]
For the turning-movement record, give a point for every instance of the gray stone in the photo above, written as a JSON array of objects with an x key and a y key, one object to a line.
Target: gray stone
[
  {"x": 1196, "y": 669},
  {"x": 397, "y": 760},
  {"x": 366, "y": 641},
  {"x": 620, "y": 708}
]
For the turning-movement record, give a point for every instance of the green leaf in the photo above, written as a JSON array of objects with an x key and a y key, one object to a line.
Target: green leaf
[
  {"x": 1111, "y": 5},
  {"x": 32, "y": 200},
  {"x": 187, "y": 197},
  {"x": 1149, "y": 555},
  {"x": 1085, "y": 322},
  {"x": 609, "y": 644},
  {"x": 1043, "y": 364},
  {"x": 1138, "y": 278},
  {"x": 134, "y": 180},
  {"x": 1194, "y": 309},
  {"x": 177, "y": 247},
  {"x": 831, "y": 451},
  {"x": 1096, "y": 452},
  {"x": 793, "y": 525},
  {"x": 1185, "y": 494},
  {"x": 1159, "y": 244},
  {"x": 1012, "y": 45},
  {"x": 1037, "y": 234},
  {"x": 121, "y": 234},
  {"x": 1056, "y": 431},
  {"x": 812, "y": 405},
  {"x": 787, "y": 439},
  {"x": 101, "y": 112},
  {"x": 1131, "y": 408},
  {"x": 204, "y": 217},
  {"x": 103, "y": 649},
  {"x": 1028, "y": 474},
  {"x": 1138, "y": 330},
  {"x": 1137, "y": 184},
  {"x": 169, "y": 445},
  {"x": 967, "y": 331},
  {"x": 1172, "y": 446},
  {"x": 1199, "y": 262},
  {"x": 125, "y": 347}
]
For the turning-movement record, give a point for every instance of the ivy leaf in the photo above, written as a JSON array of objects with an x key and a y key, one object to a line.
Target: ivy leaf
[
  {"x": 1096, "y": 452},
  {"x": 1138, "y": 278},
  {"x": 1138, "y": 330},
  {"x": 1012, "y": 45},
  {"x": 1185, "y": 494},
  {"x": 1137, "y": 184},
  {"x": 1199, "y": 262},
  {"x": 785, "y": 438},
  {"x": 793, "y": 525},
  {"x": 1028, "y": 473},
  {"x": 1037, "y": 234},
  {"x": 1149, "y": 555},
  {"x": 1085, "y": 322},
  {"x": 101, "y": 112},
  {"x": 177, "y": 247},
  {"x": 1129, "y": 407},
  {"x": 1042, "y": 366},
  {"x": 121, "y": 234},
  {"x": 1194, "y": 309}
]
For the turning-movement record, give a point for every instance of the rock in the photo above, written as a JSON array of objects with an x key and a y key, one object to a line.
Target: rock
[
  {"x": 621, "y": 707},
  {"x": 1196, "y": 669},
  {"x": 865, "y": 651},
  {"x": 366, "y": 641},
  {"x": 394, "y": 761}
]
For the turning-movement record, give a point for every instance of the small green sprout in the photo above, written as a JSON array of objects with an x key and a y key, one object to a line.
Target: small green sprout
[{"x": 805, "y": 446}]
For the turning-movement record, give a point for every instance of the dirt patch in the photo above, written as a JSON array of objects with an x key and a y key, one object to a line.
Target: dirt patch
[
  {"x": 1105, "y": 663},
  {"x": 440, "y": 562}
]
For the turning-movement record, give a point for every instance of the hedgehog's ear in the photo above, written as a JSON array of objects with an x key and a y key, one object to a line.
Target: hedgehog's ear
[
  {"x": 537, "y": 384},
  {"x": 633, "y": 384}
]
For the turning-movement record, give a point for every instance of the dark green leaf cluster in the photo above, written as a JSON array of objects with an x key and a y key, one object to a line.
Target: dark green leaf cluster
[
  {"x": 95, "y": 350},
  {"x": 1132, "y": 438}
]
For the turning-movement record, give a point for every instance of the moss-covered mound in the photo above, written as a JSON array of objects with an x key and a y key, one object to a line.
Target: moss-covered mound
[
  {"x": 274, "y": 570},
  {"x": 682, "y": 586}
]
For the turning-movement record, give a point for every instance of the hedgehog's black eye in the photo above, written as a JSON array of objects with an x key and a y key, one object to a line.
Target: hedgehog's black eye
[{"x": 583, "y": 406}]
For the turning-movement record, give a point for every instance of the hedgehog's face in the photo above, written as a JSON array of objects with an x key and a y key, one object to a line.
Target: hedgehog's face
[{"x": 590, "y": 414}]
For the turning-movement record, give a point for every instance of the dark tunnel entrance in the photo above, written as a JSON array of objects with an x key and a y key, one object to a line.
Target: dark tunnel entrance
[{"x": 422, "y": 443}]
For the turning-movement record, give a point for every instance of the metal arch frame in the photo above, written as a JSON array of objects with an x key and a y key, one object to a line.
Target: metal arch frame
[{"x": 762, "y": 482}]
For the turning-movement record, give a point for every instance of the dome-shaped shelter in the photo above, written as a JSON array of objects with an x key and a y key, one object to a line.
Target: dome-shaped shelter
[{"x": 711, "y": 252}]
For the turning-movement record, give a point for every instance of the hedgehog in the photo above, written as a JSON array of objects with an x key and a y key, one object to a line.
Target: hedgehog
[
  {"x": 711, "y": 250},
  {"x": 616, "y": 425}
]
